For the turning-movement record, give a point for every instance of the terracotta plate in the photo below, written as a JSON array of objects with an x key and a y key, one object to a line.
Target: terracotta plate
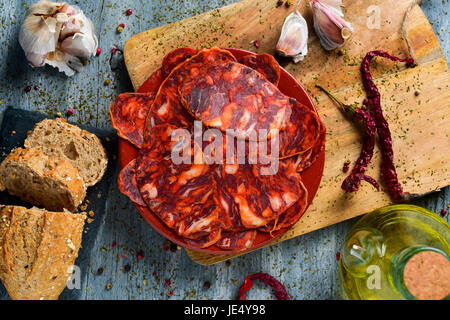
[{"x": 311, "y": 177}]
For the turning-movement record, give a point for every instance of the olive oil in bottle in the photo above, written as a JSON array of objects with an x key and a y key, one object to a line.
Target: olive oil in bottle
[{"x": 397, "y": 252}]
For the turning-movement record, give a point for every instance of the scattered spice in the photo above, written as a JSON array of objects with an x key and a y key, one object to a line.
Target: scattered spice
[
  {"x": 129, "y": 12},
  {"x": 338, "y": 256},
  {"x": 59, "y": 114},
  {"x": 100, "y": 271},
  {"x": 120, "y": 28},
  {"x": 170, "y": 293},
  {"x": 70, "y": 112},
  {"x": 443, "y": 212},
  {"x": 127, "y": 268},
  {"x": 288, "y": 3},
  {"x": 98, "y": 52},
  {"x": 36, "y": 87},
  {"x": 168, "y": 283},
  {"x": 227, "y": 263},
  {"x": 166, "y": 247},
  {"x": 388, "y": 172},
  {"x": 353, "y": 181},
  {"x": 27, "y": 88},
  {"x": 207, "y": 285},
  {"x": 113, "y": 244},
  {"x": 256, "y": 44},
  {"x": 124, "y": 256},
  {"x": 108, "y": 286},
  {"x": 278, "y": 289},
  {"x": 140, "y": 255},
  {"x": 114, "y": 50},
  {"x": 416, "y": 93},
  {"x": 106, "y": 82},
  {"x": 279, "y": 3}
]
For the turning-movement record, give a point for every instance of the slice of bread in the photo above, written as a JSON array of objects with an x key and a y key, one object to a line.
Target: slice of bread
[
  {"x": 38, "y": 249},
  {"x": 42, "y": 181},
  {"x": 84, "y": 150}
]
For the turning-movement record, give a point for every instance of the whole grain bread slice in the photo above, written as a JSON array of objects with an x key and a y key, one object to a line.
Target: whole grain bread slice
[
  {"x": 84, "y": 150},
  {"x": 38, "y": 249},
  {"x": 42, "y": 181}
]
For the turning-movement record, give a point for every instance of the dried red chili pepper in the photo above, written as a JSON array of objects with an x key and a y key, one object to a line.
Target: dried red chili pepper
[
  {"x": 388, "y": 172},
  {"x": 278, "y": 289},
  {"x": 353, "y": 181}
]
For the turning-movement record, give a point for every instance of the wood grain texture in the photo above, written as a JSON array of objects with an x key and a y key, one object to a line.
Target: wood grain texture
[
  {"x": 306, "y": 264},
  {"x": 413, "y": 119}
]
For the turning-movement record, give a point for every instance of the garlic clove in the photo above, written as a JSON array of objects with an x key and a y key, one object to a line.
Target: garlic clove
[
  {"x": 329, "y": 24},
  {"x": 55, "y": 34},
  {"x": 79, "y": 45},
  {"x": 293, "y": 40}
]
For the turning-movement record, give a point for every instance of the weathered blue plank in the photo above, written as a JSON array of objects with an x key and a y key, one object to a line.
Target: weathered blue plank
[{"x": 306, "y": 264}]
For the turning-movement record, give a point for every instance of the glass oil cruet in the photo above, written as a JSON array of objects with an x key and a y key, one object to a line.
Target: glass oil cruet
[{"x": 397, "y": 252}]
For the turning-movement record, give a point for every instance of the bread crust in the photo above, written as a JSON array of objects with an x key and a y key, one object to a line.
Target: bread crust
[
  {"x": 38, "y": 249},
  {"x": 55, "y": 136},
  {"x": 36, "y": 166}
]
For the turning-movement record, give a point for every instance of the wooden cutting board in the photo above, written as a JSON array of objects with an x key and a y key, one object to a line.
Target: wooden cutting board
[{"x": 419, "y": 123}]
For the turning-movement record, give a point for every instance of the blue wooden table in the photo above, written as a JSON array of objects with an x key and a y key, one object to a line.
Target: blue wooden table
[{"x": 306, "y": 264}]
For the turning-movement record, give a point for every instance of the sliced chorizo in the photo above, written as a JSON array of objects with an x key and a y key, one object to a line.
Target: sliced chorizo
[
  {"x": 231, "y": 96},
  {"x": 174, "y": 58},
  {"x": 265, "y": 64},
  {"x": 236, "y": 241},
  {"x": 128, "y": 113},
  {"x": 304, "y": 160},
  {"x": 167, "y": 107},
  {"x": 291, "y": 215},
  {"x": 128, "y": 185},
  {"x": 176, "y": 193},
  {"x": 205, "y": 241}
]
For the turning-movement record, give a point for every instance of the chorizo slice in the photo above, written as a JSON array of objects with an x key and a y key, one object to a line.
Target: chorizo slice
[
  {"x": 265, "y": 64},
  {"x": 205, "y": 241},
  {"x": 306, "y": 159},
  {"x": 302, "y": 131},
  {"x": 174, "y": 58},
  {"x": 128, "y": 185},
  {"x": 128, "y": 113},
  {"x": 236, "y": 241},
  {"x": 257, "y": 198},
  {"x": 291, "y": 215},
  {"x": 167, "y": 107},
  {"x": 234, "y": 97},
  {"x": 179, "y": 194}
]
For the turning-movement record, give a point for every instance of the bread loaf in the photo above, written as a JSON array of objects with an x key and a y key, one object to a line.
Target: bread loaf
[
  {"x": 38, "y": 249},
  {"x": 42, "y": 181},
  {"x": 84, "y": 150}
]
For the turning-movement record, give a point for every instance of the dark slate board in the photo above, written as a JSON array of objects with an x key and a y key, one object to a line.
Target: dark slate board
[{"x": 21, "y": 121}]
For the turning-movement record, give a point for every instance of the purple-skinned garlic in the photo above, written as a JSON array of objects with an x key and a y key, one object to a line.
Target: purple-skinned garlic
[
  {"x": 57, "y": 34},
  {"x": 329, "y": 23},
  {"x": 293, "y": 40}
]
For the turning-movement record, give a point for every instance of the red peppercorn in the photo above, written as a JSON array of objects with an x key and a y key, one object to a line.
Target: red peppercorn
[
  {"x": 170, "y": 293},
  {"x": 114, "y": 244},
  {"x": 256, "y": 43},
  {"x": 70, "y": 112},
  {"x": 36, "y": 87},
  {"x": 122, "y": 25},
  {"x": 27, "y": 88},
  {"x": 338, "y": 256},
  {"x": 165, "y": 247},
  {"x": 154, "y": 274},
  {"x": 129, "y": 12},
  {"x": 443, "y": 212},
  {"x": 168, "y": 282},
  {"x": 124, "y": 255},
  {"x": 140, "y": 255},
  {"x": 99, "y": 51}
]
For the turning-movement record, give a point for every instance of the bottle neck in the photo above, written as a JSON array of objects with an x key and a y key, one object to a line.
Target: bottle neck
[{"x": 412, "y": 272}]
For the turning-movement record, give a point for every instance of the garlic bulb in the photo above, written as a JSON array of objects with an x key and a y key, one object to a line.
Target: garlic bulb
[
  {"x": 57, "y": 34},
  {"x": 329, "y": 23},
  {"x": 293, "y": 40}
]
